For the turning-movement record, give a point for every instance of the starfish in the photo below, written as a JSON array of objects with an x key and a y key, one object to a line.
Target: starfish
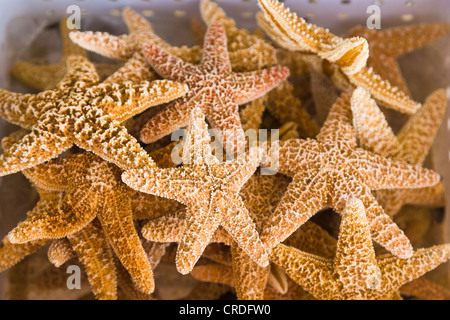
[
  {"x": 125, "y": 46},
  {"x": 213, "y": 87},
  {"x": 355, "y": 272},
  {"x": 328, "y": 170},
  {"x": 211, "y": 192},
  {"x": 324, "y": 94},
  {"x": 93, "y": 189},
  {"x": 411, "y": 144},
  {"x": 388, "y": 44},
  {"x": 46, "y": 76},
  {"x": 293, "y": 33},
  {"x": 80, "y": 111}
]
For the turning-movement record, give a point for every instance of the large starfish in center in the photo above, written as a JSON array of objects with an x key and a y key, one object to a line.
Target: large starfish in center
[
  {"x": 213, "y": 87},
  {"x": 80, "y": 111},
  {"x": 210, "y": 190},
  {"x": 328, "y": 170}
]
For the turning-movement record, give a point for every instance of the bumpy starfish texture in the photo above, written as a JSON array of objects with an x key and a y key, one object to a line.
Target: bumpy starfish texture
[
  {"x": 46, "y": 76},
  {"x": 388, "y": 44},
  {"x": 125, "y": 46},
  {"x": 330, "y": 169},
  {"x": 213, "y": 87},
  {"x": 84, "y": 113},
  {"x": 411, "y": 144},
  {"x": 355, "y": 272},
  {"x": 350, "y": 55},
  {"x": 211, "y": 192},
  {"x": 93, "y": 189}
]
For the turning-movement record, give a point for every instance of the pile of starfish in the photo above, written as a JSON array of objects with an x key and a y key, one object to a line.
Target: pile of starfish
[{"x": 95, "y": 143}]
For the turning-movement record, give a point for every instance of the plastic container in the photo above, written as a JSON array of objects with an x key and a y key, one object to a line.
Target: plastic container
[{"x": 21, "y": 21}]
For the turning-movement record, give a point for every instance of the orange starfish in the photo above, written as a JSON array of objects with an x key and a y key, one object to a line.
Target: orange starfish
[
  {"x": 210, "y": 190},
  {"x": 213, "y": 87},
  {"x": 329, "y": 170}
]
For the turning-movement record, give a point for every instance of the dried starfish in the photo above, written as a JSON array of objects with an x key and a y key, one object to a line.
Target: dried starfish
[
  {"x": 213, "y": 87},
  {"x": 425, "y": 289},
  {"x": 84, "y": 113},
  {"x": 355, "y": 272},
  {"x": 388, "y": 44},
  {"x": 411, "y": 144},
  {"x": 46, "y": 76},
  {"x": 93, "y": 188},
  {"x": 324, "y": 94},
  {"x": 12, "y": 253},
  {"x": 125, "y": 46},
  {"x": 211, "y": 192},
  {"x": 350, "y": 55},
  {"x": 329, "y": 170}
]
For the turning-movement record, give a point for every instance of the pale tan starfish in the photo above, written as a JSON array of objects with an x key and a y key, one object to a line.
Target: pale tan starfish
[
  {"x": 329, "y": 170},
  {"x": 387, "y": 45},
  {"x": 350, "y": 55},
  {"x": 355, "y": 272},
  {"x": 210, "y": 190},
  {"x": 411, "y": 144},
  {"x": 213, "y": 87},
  {"x": 84, "y": 113},
  {"x": 125, "y": 46},
  {"x": 46, "y": 76}
]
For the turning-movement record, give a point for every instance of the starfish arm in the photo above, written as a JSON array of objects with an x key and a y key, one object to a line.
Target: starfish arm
[
  {"x": 172, "y": 183},
  {"x": 168, "y": 228},
  {"x": 155, "y": 251},
  {"x": 12, "y": 253},
  {"x": 355, "y": 254},
  {"x": 111, "y": 141},
  {"x": 274, "y": 33},
  {"x": 311, "y": 272},
  {"x": 174, "y": 116},
  {"x": 378, "y": 172},
  {"x": 77, "y": 209},
  {"x": 127, "y": 287},
  {"x": 303, "y": 198},
  {"x": 13, "y": 138},
  {"x": 237, "y": 222},
  {"x": 393, "y": 200},
  {"x": 382, "y": 91},
  {"x": 338, "y": 125},
  {"x": 397, "y": 41},
  {"x": 251, "y": 85},
  {"x": 136, "y": 69},
  {"x": 312, "y": 238},
  {"x": 224, "y": 116},
  {"x": 148, "y": 206},
  {"x": 50, "y": 176},
  {"x": 201, "y": 223},
  {"x": 105, "y": 44},
  {"x": 37, "y": 76},
  {"x": 23, "y": 109},
  {"x": 117, "y": 222},
  {"x": 197, "y": 143},
  {"x": 417, "y": 135},
  {"x": 371, "y": 126},
  {"x": 425, "y": 289},
  {"x": 60, "y": 251},
  {"x": 214, "y": 273},
  {"x": 396, "y": 271},
  {"x": 33, "y": 149},
  {"x": 251, "y": 115},
  {"x": 215, "y": 53},
  {"x": 294, "y": 154},
  {"x": 165, "y": 64},
  {"x": 94, "y": 252},
  {"x": 324, "y": 94},
  {"x": 80, "y": 74},
  {"x": 389, "y": 69},
  {"x": 135, "y": 22},
  {"x": 219, "y": 252},
  {"x": 384, "y": 230},
  {"x": 125, "y": 100},
  {"x": 69, "y": 48},
  {"x": 250, "y": 279}
]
